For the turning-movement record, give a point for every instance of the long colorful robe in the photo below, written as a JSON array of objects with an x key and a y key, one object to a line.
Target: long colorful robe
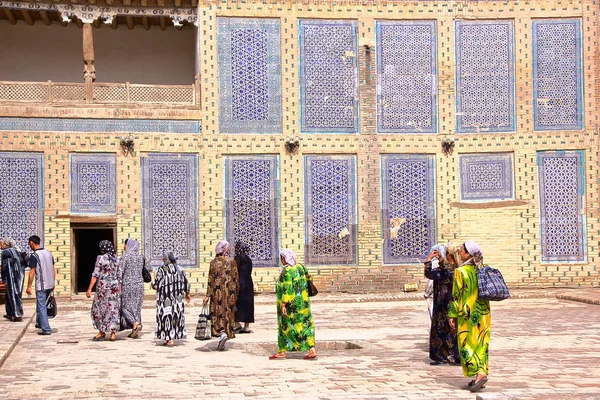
[
  {"x": 132, "y": 295},
  {"x": 12, "y": 275},
  {"x": 223, "y": 289},
  {"x": 443, "y": 346},
  {"x": 473, "y": 320},
  {"x": 107, "y": 300},
  {"x": 296, "y": 331},
  {"x": 171, "y": 285}
]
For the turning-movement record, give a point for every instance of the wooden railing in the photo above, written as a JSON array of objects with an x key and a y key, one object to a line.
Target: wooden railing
[{"x": 104, "y": 93}]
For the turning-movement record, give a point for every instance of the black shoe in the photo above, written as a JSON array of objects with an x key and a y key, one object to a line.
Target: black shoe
[
  {"x": 8, "y": 317},
  {"x": 44, "y": 333},
  {"x": 17, "y": 319},
  {"x": 37, "y": 326},
  {"x": 436, "y": 363}
]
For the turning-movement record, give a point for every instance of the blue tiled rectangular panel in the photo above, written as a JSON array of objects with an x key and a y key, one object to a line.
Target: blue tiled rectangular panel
[
  {"x": 252, "y": 206},
  {"x": 557, "y": 76},
  {"x": 486, "y": 176},
  {"x": 170, "y": 207},
  {"x": 562, "y": 205},
  {"x": 22, "y": 196},
  {"x": 408, "y": 206},
  {"x": 485, "y": 72},
  {"x": 20, "y": 124},
  {"x": 328, "y": 76},
  {"x": 94, "y": 183},
  {"x": 330, "y": 209},
  {"x": 406, "y": 77},
  {"x": 249, "y": 62}
]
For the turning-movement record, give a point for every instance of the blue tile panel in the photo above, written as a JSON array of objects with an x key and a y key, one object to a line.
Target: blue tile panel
[
  {"x": 249, "y": 59},
  {"x": 22, "y": 196},
  {"x": 557, "y": 74},
  {"x": 330, "y": 209},
  {"x": 562, "y": 205},
  {"x": 408, "y": 197},
  {"x": 486, "y": 176},
  {"x": 170, "y": 207},
  {"x": 406, "y": 77},
  {"x": 94, "y": 183},
  {"x": 93, "y": 125},
  {"x": 252, "y": 206},
  {"x": 328, "y": 76},
  {"x": 485, "y": 89}
]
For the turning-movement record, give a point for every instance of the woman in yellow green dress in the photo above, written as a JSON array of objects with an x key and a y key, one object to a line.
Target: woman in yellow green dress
[
  {"x": 471, "y": 317},
  {"x": 295, "y": 327}
]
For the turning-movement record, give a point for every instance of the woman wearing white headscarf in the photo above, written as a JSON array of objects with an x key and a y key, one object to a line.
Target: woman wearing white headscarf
[
  {"x": 295, "y": 326},
  {"x": 222, "y": 291},
  {"x": 471, "y": 317},
  {"x": 12, "y": 275},
  {"x": 132, "y": 290}
]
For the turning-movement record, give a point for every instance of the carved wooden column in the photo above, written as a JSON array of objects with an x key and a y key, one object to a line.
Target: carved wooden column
[{"x": 89, "y": 69}]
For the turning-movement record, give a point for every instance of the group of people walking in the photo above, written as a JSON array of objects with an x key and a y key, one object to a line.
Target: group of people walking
[{"x": 460, "y": 322}]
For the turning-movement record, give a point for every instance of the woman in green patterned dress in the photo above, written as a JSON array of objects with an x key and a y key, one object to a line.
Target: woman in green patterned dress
[
  {"x": 295, "y": 327},
  {"x": 471, "y": 316}
]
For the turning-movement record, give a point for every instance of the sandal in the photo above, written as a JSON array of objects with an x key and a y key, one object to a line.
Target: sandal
[
  {"x": 98, "y": 338},
  {"x": 309, "y": 357},
  {"x": 277, "y": 356},
  {"x": 477, "y": 386},
  {"x": 135, "y": 331},
  {"x": 113, "y": 337}
]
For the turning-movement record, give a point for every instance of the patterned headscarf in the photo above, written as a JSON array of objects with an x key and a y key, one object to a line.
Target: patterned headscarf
[
  {"x": 169, "y": 257},
  {"x": 476, "y": 253},
  {"x": 289, "y": 256},
  {"x": 222, "y": 247},
  {"x": 107, "y": 247},
  {"x": 454, "y": 251},
  {"x": 241, "y": 248},
  {"x": 132, "y": 247}
]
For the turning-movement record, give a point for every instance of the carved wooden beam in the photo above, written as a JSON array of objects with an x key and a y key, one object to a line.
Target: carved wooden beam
[
  {"x": 162, "y": 3},
  {"x": 97, "y": 23},
  {"x": 194, "y": 3},
  {"x": 45, "y": 18},
  {"x": 144, "y": 3},
  {"x": 129, "y": 22},
  {"x": 163, "y": 23},
  {"x": 126, "y": 2},
  {"x": 79, "y": 23},
  {"x": 92, "y": 2},
  {"x": 146, "y": 23},
  {"x": 27, "y": 17},
  {"x": 110, "y": 2},
  {"x": 11, "y": 17},
  {"x": 177, "y": 3},
  {"x": 114, "y": 24}
]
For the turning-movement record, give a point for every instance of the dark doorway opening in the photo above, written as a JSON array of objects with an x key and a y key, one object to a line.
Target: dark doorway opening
[{"x": 85, "y": 249}]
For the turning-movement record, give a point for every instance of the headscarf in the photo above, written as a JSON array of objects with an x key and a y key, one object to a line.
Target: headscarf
[
  {"x": 107, "y": 247},
  {"x": 289, "y": 256},
  {"x": 222, "y": 247},
  {"x": 169, "y": 257},
  {"x": 476, "y": 253},
  {"x": 241, "y": 248},
  {"x": 440, "y": 248},
  {"x": 132, "y": 247},
  {"x": 454, "y": 251}
]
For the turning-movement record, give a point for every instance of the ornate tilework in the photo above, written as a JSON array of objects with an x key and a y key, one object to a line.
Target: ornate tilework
[
  {"x": 408, "y": 195},
  {"x": 249, "y": 75},
  {"x": 486, "y": 176},
  {"x": 93, "y": 183},
  {"x": 170, "y": 207},
  {"x": 328, "y": 76},
  {"x": 330, "y": 209},
  {"x": 20, "y": 124},
  {"x": 252, "y": 206},
  {"x": 557, "y": 78},
  {"x": 562, "y": 205},
  {"x": 406, "y": 77},
  {"x": 485, "y": 97},
  {"x": 22, "y": 196}
]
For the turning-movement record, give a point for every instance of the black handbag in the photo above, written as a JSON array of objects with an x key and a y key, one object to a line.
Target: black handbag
[
  {"x": 310, "y": 286},
  {"x": 51, "y": 308},
  {"x": 491, "y": 284},
  {"x": 146, "y": 276}
]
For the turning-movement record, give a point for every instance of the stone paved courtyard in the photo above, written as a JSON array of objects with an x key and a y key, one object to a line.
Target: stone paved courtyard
[{"x": 542, "y": 347}]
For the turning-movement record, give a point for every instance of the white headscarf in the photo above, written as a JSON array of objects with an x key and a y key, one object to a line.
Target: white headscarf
[
  {"x": 476, "y": 253},
  {"x": 289, "y": 256},
  {"x": 132, "y": 246},
  {"x": 222, "y": 247}
]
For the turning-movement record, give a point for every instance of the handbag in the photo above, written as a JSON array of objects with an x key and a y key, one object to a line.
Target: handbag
[
  {"x": 310, "y": 286},
  {"x": 51, "y": 308},
  {"x": 491, "y": 284},
  {"x": 145, "y": 273},
  {"x": 204, "y": 325}
]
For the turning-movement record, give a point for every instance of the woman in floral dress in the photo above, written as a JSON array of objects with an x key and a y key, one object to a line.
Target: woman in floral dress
[
  {"x": 171, "y": 286},
  {"x": 295, "y": 326},
  {"x": 222, "y": 291},
  {"x": 471, "y": 317},
  {"x": 107, "y": 300},
  {"x": 132, "y": 289}
]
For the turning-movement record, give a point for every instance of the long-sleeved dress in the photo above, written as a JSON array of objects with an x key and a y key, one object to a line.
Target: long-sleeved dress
[
  {"x": 171, "y": 285},
  {"x": 12, "y": 275},
  {"x": 473, "y": 321},
  {"x": 244, "y": 311},
  {"x": 296, "y": 331},
  {"x": 223, "y": 289},
  {"x": 107, "y": 300},
  {"x": 442, "y": 340},
  {"x": 132, "y": 295}
]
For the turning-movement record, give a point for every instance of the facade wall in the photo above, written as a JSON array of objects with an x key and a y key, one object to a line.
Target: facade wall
[{"x": 507, "y": 229}]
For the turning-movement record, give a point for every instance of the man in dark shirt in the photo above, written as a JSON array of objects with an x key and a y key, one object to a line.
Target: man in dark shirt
[{"x": 41, "y": 265}]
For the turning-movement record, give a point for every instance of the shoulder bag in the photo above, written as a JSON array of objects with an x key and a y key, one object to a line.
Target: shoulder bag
[
  {"x": 146, "y": 276},
  {"x": 491, "y": 284},
  {"x": 204, "y": 325},
  {"x": 310, "y": 286}
]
